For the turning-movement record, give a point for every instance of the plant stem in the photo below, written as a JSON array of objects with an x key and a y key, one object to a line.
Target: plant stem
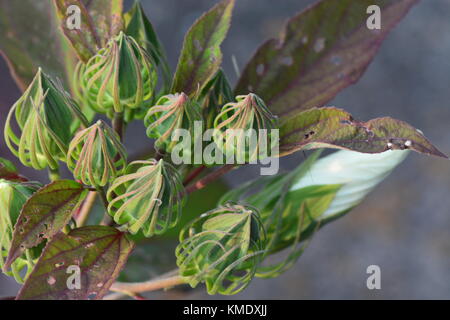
[
  {"x": 118, "y": 124},
  {"x": 86, "y": 209},
  {"x": 194, "y": 174},
  {"x": 152, "y": 285},
  {"x": 107, "y": 221},
  {"x": 53, "y": 174},
  {"x": 200, "y": 184}
]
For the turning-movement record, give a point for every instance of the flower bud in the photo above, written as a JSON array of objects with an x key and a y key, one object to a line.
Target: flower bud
[
  {"x": 120, "y": 75},
  {"x": 172, "y": 112},
  {"x": 221, "y": 248},
  {"x": 243, "y": 128},
  {"x": 96, "y": 155},
  {"x": 148, "y": 198},
  {"x": 215, "y": 94},
  {"x": 12, "y": 197},
  {"x": 47, "y": 118}
]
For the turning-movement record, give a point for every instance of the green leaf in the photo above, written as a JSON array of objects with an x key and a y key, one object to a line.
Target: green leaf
[
  {"x": 334, "y": 128},
  {"x": 320, "y": 52},
  {"x": 140, "y": 28},
  {"x": 30, "y": 39},
  {"x": 100, "y": 20},
  {"x": 300, "y": 212},
  {"x": 45, "y": 214},
  {"x": 201, "y": 57},
  {"x": 100, "y": 252}
]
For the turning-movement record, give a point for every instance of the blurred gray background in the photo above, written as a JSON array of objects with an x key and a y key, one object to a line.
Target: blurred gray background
[{"x": 404, "y": 225}]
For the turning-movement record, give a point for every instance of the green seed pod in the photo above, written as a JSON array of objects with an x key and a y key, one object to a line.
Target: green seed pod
[
  {"x": 149, "y": 197},
  {"x": 12, "y": 197},
  {"x": 47, "y": 118},
  {"x": 120, "y": 75},
  {"x": 96, "y": 155},
  {"x": 172, "y": 112},
  {"x": 221, "y": 248},
  {"x": 243, "y": 128}
]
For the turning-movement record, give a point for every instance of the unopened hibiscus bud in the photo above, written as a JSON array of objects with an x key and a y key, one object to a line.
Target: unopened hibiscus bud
[
  {"x": 214, "y": 95},
  {"x": 96, "y": 155},
  {"x": 148, "y": 198},
  {"x": 12, "y": 197},
  {"x": 243, "y": 128},
  {"x": 47, "y": 118},
  {"x": 221, "y": 248},
  {"x": 171, "y": 112},
  {"x": 121, "y": 75}
]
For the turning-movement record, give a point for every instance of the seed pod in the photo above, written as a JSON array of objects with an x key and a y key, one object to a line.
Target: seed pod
[
  {"x": 47, "y": 118},
  {"x": 96, "y": 155},
  {"x": 12, "y": 197},
  {"x": 120, "y": 75},
  {"x": 149, "y": 197},
  {"x": 172, "y": 112},
  {"x": 221, "y": 248},
  {"x": 243, "y": 128}
]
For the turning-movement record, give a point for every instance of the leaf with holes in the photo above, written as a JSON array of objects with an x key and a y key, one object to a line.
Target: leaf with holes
[
  {"x": 44, "y": 214},
  {"x": 24, "y": 50},
  {"x": 201, "y": 57},
  {"x": 100, "y": 20},
  {"x": 335, "y": 128},
  {"x": 321, "y": 51},
  {"x": 98, "y": 253}
]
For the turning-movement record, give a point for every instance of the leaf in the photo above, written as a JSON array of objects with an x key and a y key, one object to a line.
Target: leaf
[
  {"x": 30, "y": 39},
  {"x": 45, "y": 213},
  {"x": 100, "y": 20},
  {"x": 335, "y": 128},
  {"x": 100, "y": 252},
  {"x": 140, "y": 28},
  {"x": 201, "y": 57},
  {"x": 107, "y": 17},
  {"x": 85, "y": 41},
  {"x": 9, "y": 172},
  {"x": 321, "y": 51},
  {"x": 358, "y": 173}
]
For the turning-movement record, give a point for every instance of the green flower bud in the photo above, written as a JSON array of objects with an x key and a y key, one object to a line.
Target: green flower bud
[
  {"x": 243, "y": 128},
  {"x": 47, "y": 119},
  {"x": 12, "y": 197},
  {"x": 96, "y": 155},
  {"x": 221, "y": 248},
  {"x": 120, "y": 75},
  {"x": 149, "y": 197},
  {"x": 215, "y": 94},
  {"x": 172, "y": 112}
]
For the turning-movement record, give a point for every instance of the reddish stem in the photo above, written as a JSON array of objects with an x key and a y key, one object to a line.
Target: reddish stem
[
  {"x": 194, "y": 174},
  {"x": 200, "y": 184}
]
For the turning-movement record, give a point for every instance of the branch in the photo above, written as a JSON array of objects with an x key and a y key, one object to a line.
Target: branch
[
  {"x": 200, "y": 184},
  {"x": 86, "y": 209},
  {"x": 152, "y": 285}
]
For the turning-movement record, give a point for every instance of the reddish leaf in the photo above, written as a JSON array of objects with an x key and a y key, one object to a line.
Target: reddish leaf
[
  {"x": 45, "y": 213},
  {"x": 100, "y": 20},
  {"x": 9, "y": 172},
  {"x": 321, "y": 51},
  {"x": 334, "y": 128},
  {"x": 100, "y": 252},
  {"x": 30, "y": 38},
  {"x": 201, "y": 57}
]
